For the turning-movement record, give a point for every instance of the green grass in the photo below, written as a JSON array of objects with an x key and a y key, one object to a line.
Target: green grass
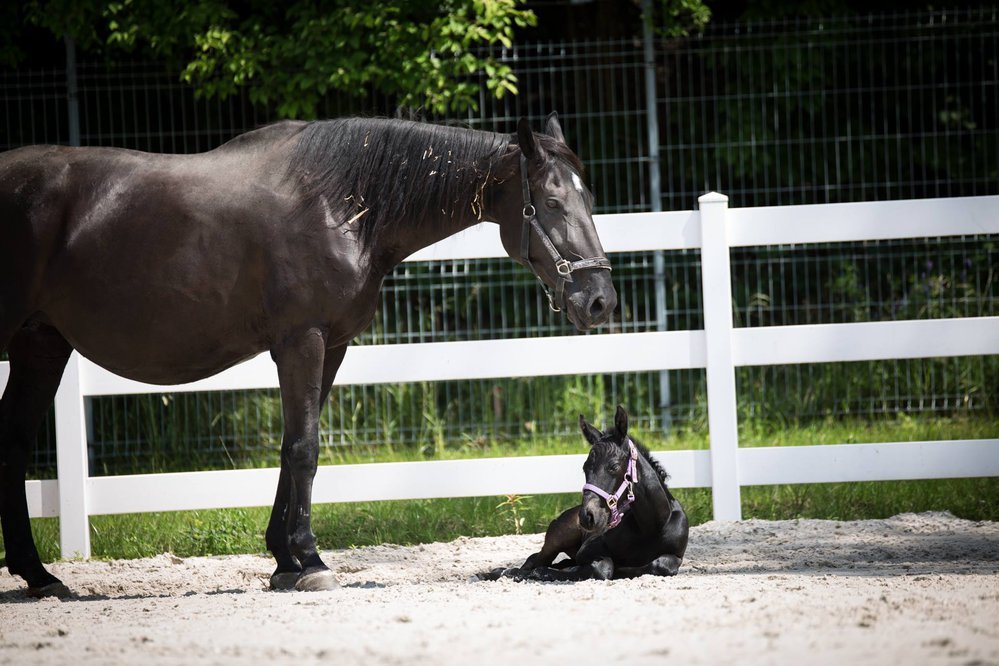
[{"x": 219, "y": 532}]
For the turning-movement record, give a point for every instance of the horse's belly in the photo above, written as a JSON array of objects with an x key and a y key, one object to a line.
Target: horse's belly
[{"x": 146, "y": 349}]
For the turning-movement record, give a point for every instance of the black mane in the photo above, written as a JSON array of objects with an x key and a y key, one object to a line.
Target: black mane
[
  {"x": 644, "y": 452},
  {"x": 379, "y": 172}
]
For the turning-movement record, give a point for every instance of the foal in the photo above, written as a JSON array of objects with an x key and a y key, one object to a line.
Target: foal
[{"x": 628, "y": 525}]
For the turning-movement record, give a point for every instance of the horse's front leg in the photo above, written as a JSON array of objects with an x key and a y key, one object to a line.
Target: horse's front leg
[
  {"x": 305, "y": 372},
  {"x": 601, "y": 569},
  {"x": 593, "y": 561}
]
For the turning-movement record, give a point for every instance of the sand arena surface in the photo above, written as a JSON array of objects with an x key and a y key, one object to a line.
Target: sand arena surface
[{"x": 913, "y": 589}]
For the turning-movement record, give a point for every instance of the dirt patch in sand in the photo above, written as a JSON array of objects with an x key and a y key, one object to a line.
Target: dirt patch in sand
[{"x": 914, "y": 588}]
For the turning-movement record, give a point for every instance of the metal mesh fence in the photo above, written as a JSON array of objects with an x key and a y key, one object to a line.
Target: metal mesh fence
[{"x": 846, "y": 109}]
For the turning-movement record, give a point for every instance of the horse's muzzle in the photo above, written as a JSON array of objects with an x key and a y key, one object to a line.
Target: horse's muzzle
[
  {"x": 593, "y": 516},
  {"x": 593, "y": 304}
]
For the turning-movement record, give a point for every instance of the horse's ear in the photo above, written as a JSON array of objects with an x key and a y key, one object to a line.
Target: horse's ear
[
  {"x": 591, "y": 434},
  {"x": 552, "y": 127},
  {"x": 621, "y": 422},
  {"x": 525, "y": 137}
]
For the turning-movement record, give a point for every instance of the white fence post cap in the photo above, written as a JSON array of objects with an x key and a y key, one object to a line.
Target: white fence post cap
[{"x": 712, "y": 197}]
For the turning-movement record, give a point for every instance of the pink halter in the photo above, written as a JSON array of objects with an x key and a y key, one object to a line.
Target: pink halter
[{"x": 630, "y": 478}]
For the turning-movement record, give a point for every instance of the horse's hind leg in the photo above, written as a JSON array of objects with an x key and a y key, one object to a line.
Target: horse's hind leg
[
  {"x": 38, "y": 355},
  {"x": 664, "y": 565}
]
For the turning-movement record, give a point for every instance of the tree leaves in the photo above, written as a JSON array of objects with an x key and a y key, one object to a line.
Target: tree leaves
[{"x": 292, "y": 54}]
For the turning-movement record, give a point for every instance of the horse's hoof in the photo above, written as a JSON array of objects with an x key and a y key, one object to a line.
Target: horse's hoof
[
  {"x": 317, "y": 581},
  {"x": 56, "y": 589},
  {"x": 284, "y": 580}
]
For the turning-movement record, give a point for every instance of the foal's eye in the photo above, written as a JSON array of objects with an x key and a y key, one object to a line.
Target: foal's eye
[
  {"x": 614, "y": 469},
  {"x": 553, "y": 204}
]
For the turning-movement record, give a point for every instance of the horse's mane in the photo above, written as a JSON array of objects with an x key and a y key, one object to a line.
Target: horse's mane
[
  {"x": 644, "y": 452},
  {"x": 379, "y": 172}
]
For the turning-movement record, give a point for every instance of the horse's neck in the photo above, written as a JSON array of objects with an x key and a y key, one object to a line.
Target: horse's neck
[
  {"x": 388, "y": 253},
  {"x": 652, "y": 505}
]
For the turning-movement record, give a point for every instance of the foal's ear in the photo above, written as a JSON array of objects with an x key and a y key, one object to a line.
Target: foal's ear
[
  {"x": 591, "y": 434},
  {"x": 552, "y": 127},
  {"x": 621, "y": 422},
  {"x": 528, "y": 144}
]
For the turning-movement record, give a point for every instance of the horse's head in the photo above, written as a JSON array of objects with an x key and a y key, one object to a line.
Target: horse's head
[
  {"x": 553, "y": 234},
  {"x": 611, "y": 469}
]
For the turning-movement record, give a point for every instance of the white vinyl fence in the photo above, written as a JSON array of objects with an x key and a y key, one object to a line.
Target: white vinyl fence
[{"x": 719, "y": 348}]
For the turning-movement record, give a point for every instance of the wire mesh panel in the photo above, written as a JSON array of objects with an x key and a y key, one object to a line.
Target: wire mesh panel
[{"x": 833, "y": 109}]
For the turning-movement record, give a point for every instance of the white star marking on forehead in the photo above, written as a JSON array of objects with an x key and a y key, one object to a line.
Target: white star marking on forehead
[{"x": 577, "y": 183}]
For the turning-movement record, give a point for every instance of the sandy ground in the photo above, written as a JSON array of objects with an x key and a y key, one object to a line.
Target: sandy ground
[{"x": 913, "y": 589}]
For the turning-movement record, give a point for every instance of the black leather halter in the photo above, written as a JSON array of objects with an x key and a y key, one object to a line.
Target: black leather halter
[{"x": 563, "y": 267}]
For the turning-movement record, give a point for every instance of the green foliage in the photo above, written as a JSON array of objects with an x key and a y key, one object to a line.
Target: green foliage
[
  {"x": 512, "y": 508},
  {"x": 291, "y": 54},
  {"x": 679, "y": 18}
]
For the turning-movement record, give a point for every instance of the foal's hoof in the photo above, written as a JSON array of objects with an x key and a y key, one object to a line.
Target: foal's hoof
[
  {"x": 56, "y": 589},
  {"x": 284, "y": 580},
  {"x": 317, "y": 581}
]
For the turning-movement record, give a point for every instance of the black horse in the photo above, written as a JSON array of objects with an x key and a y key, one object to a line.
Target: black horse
[
  {"x": 170, "y": 268},
  {"x": 628, "y": 525}
]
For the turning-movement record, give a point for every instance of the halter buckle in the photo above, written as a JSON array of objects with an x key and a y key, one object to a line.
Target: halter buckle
[
  {"x": 529, "y": 210},
  {"x": 611, "y": 502},
  {"x": 563, "y": 267}
]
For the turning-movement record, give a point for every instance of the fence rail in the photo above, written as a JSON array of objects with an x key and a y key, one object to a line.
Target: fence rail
[{"x": 719, "y": 348}]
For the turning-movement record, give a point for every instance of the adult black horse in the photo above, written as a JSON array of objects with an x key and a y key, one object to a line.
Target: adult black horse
[{"x": 170, "y": 268}]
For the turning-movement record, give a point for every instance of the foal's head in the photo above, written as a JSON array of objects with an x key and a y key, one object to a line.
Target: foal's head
[{"x": 610, "y": 471}]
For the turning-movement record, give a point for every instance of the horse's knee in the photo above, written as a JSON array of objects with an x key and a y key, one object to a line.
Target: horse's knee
[
  {"x": 603, "y": 569},
  {"x": 667, "y": 565},
  {"x": 301, "y": 455},
  {"x": 533, "y": 562}
]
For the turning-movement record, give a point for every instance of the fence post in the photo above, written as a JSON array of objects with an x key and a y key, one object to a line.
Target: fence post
[
  {"x": 655, "y": 199},
  {"x": 716, "y": 279},
  {"x": 72, "y": 94},
  {"x": 72, "y": 463}
]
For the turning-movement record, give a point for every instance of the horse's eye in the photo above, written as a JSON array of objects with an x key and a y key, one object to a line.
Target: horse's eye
[
  {"x": 553, "y": 204},
  {"x": 613, "y": 469}
]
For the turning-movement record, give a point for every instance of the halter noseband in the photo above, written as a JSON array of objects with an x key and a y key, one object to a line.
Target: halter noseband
[
  {"x": 614, "y": 503},
  {"x": 563, "y": 267}
]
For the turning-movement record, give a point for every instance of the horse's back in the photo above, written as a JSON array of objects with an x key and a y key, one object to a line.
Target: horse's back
[{"x": 146, "y": 263}]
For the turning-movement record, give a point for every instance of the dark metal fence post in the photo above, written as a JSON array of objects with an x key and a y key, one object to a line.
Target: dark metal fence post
[
  {"x": 656, "y": 200},
  {"x": 72, "y": 99}
]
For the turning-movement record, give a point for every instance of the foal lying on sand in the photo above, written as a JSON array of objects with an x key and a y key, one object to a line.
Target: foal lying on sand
[{"x": 628, "y": 525}]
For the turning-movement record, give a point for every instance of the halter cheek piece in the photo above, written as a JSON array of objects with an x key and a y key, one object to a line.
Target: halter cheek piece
[
  {"x": 563, "y": 267},
  {"x": 614, "y": 503}
]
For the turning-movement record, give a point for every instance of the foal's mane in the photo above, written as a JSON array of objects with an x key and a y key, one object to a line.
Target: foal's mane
[
  {"x": 379, "y": 172},
  {"x": 644, "y": 452}
]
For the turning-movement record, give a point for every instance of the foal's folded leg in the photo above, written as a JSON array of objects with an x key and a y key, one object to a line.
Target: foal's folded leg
[
  {"x": 602, "y": 569},
  {"x": 564, "y": 535},
  {"x": 664, "y": 565}
]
